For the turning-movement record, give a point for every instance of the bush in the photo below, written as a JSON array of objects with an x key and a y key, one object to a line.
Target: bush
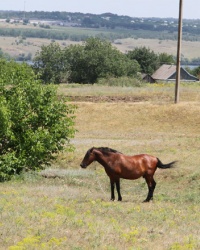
[{"x": 35, "y": 124}]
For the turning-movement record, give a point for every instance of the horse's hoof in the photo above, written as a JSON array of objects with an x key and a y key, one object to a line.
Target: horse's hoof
[{"x": 148, "y": 200}]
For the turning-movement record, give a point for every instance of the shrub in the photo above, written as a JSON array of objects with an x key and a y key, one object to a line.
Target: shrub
[{"x": 34, "y": 124}]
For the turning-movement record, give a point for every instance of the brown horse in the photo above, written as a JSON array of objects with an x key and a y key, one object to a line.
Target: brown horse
[{"x": 118, "y": 165}]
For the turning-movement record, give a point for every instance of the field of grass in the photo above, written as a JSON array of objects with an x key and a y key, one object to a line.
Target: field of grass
[
  {"x": 188, "y": 50},
  {"x": 9, "y": 45},
  {"x": 31, "y": 45},
  {"x": 12, "y": 46},
  {"x": 65, "y": 207}
]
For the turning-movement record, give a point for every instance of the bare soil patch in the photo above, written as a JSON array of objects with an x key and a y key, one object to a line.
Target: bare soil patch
[
  {"x": 113, "y": 99},
  {"x": 108, "y": 98}
]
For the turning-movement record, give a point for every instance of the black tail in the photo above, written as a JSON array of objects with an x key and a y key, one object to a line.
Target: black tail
[{"x": 163, "y": 166}]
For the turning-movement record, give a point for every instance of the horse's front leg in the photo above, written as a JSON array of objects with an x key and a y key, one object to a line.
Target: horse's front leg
[
  {"x": 112, "y": 186},
  {"x": 118, "y": 190}
]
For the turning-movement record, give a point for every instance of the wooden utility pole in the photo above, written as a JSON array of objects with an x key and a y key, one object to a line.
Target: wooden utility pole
[{"x": 178, "y": 52}]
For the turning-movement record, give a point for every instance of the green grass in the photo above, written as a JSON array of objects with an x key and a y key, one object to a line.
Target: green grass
[{"x": 65, "y": 207}]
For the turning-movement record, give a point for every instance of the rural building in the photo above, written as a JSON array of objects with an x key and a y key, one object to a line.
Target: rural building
[
  {"x": 168, "y": 73},
  {"x": 147, "y": 78}
]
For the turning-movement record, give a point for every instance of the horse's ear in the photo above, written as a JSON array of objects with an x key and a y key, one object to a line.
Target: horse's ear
[
  {"x": 91, "y": 150},
  {"x": 96, "y": 151}
]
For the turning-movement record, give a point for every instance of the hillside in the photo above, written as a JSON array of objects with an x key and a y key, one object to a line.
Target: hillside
[
  {"x": 191, "y": 28},
  {"x": 28, "y": 46},
  {"x": 22, "y": 34}
]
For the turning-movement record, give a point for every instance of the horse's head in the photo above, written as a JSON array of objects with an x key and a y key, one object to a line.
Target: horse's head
[{"x": 88, "y": 158}]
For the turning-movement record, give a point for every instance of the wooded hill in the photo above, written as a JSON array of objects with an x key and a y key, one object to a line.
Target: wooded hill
[{"x": 191, "y": 28}]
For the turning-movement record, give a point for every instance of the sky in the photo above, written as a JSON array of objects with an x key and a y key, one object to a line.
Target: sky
[{"x": 132, "y": 8}]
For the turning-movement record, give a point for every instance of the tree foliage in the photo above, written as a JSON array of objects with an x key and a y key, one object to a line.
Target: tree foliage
[
  {"x": 51, "y": 63},
  {"x": 34, "y": 123},
  {"x": 98, "y": 59},
  {"x": 84, "y": 63},
  {"x": 196, "y": 71},
  {"x": 93, "y": 60},
  {"x": 147, "y": 59},
  {"x": 165, "y": 58}
]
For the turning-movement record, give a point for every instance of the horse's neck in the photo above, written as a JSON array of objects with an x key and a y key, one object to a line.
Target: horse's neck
[{"x": 103, "y": 160}]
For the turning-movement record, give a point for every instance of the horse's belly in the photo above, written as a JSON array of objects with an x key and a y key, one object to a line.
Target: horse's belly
[{"x": 132, "y": 175}]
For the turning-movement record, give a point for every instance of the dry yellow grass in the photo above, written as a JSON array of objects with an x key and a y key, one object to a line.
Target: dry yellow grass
[
  {"x": 189, "y": 49},
  {"x": 30, "y": 45},
  {"x": 120, "y": 120}
]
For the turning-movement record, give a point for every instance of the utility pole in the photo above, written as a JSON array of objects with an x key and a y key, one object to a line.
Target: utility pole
[{"x": 178, "y": 52}]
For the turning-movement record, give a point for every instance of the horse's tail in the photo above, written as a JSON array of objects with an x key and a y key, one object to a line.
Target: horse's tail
[{"x": 164, "y": 166}]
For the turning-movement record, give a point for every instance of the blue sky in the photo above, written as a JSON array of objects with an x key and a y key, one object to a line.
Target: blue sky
[{"x": 133, "y": 8}]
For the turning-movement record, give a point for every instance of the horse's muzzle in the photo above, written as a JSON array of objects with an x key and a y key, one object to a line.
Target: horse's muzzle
[{"x": 83, "y": 165}]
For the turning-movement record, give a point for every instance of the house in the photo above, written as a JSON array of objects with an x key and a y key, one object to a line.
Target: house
[
  {"x": 168, "y": 73},
  {"x": 147, "y": 78}
]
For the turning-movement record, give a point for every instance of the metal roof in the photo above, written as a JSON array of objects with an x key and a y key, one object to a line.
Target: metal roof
[
  {"x": 168, "y": 72},
  {"x": 164, "y": 72}
]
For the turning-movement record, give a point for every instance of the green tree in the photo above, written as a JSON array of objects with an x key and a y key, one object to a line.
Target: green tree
[
  {"x": 147, "y": 59},
  {"x": 165, "y": 58},
  {"x": 75, "y": 57},
  {"x": 96, "y": 59},
  {"x": 51, "y": 64},
  {"x": 34, "y": 124},
  {"x": 84, "y": 63},
  {"x": 196, "y": 72}
]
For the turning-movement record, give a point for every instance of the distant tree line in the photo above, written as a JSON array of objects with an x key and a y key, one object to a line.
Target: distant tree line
[
  {"x": 93, "y": 60},
  {"x": 41, "y": 33},
  {"x": 191, "y": 28},
  {"x": 47, "y": 32}
]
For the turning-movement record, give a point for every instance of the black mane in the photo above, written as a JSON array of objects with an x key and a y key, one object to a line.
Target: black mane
[{"x": 108, "y": 150}]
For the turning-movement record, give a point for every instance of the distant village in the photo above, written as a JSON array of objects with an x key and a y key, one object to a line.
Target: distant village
[{"x": 105, "y": 20}]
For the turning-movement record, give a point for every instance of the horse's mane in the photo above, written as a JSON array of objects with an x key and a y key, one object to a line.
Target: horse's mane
[{"x": 108, "y": 150}]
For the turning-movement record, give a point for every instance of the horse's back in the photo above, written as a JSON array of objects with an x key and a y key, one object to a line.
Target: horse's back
[
  {"x": 147, "y": 162},
  {"x": 145, "y": 159},
  {"x": 133, "y": 167}
]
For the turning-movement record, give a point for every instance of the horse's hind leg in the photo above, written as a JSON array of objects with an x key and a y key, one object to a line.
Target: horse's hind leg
[
  {"x": 118, "y": 190},
  {"x": 151, "y": 186}
]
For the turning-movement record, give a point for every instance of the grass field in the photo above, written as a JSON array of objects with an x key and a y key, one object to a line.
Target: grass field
[
  {"x": 190, "y": 50},
  {"x": 11, "y": 46},
  {"x": 65, "y": 207}
]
